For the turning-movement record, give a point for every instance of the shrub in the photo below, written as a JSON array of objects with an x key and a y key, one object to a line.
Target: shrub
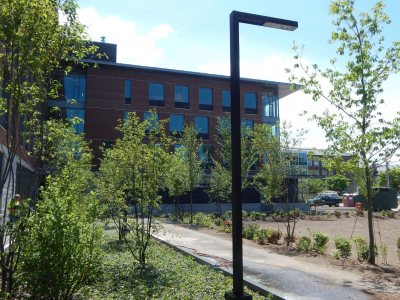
[
  {"x": 338, "y": 213},
  {"x": 227, "y": 215},
  {"x": 335, "y": 253},
  {"x": 384, "y": 252},
  {"x": 347, "y": 214},
  {"x": 250, "y": 231},
  {"x": 304, "y": 244},
  {"x": 362, "y": 248},
  {"x": 275, "y": 236},
  {"x": 204, "y": 220},
  {"x": 391, "y": 214},
  {"x": 261, "y": 236},
  {"x": 257, "y": 215},
  {"x": 244, "y": 214},
  {"x": 343, "y": 247},
  {"x": 398, "y": 243},
  {"x": 320, "y": 242}
]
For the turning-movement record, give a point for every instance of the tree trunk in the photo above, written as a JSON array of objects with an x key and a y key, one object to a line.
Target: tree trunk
[{"x": 371, "y": 256}]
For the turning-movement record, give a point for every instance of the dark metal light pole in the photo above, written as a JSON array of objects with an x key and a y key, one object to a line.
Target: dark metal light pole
[{"x": 236, "y": 18}]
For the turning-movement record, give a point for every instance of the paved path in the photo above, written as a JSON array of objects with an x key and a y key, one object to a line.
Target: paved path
[{"x": 287, "y": 276}]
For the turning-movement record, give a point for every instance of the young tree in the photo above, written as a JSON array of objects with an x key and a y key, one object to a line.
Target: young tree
[
  {"x": 312, "y": 186},
  {"x": 355, "y": 125},
  {"x": 394, "y": 178},
  {"x": 191, "y": 146},
  {"x": 221, "y": 174},
  {"x": 136, "y": 169},
  {"x": 34, "y": 45}
]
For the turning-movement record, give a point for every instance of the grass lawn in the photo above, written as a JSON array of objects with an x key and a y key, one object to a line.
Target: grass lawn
[{"x": 169, "y": 275}]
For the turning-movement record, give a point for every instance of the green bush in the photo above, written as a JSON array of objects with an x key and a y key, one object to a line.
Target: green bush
[
  {"x": 245, "y": 214},
  {"x": 343, "y": 246},
  {"x": 275, "y": 236},
  {"x": 320, "y": 242},
  {"x": 391, "y": 214},
  {"x": 335, "y": 253},
  {"x": 362, "y": 248},
  {"x": 204, "y": 220},
  {"x": 257, "y": 215},
  {"x": 347, "y": 214},
  {"x": 398, "y": 243},
  {"x": 304, "y": 244},
  {"x": 227, "y": 215},
  {"x": 338, "y": 214},
  {"x": 261, "y": 236},
  {"x": 63, "y": 246},
  {"x": 250, "y": 231}
]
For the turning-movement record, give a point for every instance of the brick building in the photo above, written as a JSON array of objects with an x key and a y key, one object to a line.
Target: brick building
[{"x": 104, "y": 94}]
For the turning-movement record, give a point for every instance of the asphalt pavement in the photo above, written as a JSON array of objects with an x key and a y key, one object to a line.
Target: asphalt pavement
[{"x": 288, "y": 277}]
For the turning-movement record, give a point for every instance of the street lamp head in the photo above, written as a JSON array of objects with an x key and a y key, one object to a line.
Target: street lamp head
[
  {"x": 289, "y": 27},
  {"x": 242, "y": 17}
]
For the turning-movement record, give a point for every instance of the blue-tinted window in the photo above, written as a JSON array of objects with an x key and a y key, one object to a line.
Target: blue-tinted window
[
  {"x": 201, "y": 125},
  {"x": 80, "y": 113},
  {"x": 250, "y": 102},
  {"x": 75, "y": 88},
  {"x": 126, "y": 113},
  {"x": 206, "y": 98},
  {"x": 176, "y": 123},
  {"x": 226, "y": 100},
  {"x": 128, "y": 91},
  {"x": 303, "y": 159},
  {"x": 205, "y": 153},
  {"x": 248, "y": 124},
  {"x": 154, "y": 120},
  {"x": 156, "y": 93},
  {"x": 181, "y": 93}
]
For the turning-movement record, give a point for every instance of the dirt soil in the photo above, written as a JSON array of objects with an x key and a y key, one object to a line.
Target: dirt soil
[{"x": 384, "y": 278}]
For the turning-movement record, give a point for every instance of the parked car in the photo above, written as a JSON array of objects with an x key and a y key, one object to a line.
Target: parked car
[{"x": 326, "y": 198}]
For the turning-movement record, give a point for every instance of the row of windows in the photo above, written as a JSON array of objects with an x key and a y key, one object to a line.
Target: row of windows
[
  {"x": 206, "y": 101},
  {"x": 201, "y": 123}
]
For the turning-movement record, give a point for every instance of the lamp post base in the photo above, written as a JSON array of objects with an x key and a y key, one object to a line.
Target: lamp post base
[{"x": 232, "y": 296}]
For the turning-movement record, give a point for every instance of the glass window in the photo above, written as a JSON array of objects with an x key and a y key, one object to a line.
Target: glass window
[
  {"x": 176, "y": 123},
  {"x": 248, "y": 124},
  {"x": 206, "y": 98},
  {"x": 126, "y": 113},
  {"x": 226, "y": 100},
  {"x": 154, "y": 120},
  {"x": 250, "y": 102},
  {"x": 128, "y": 91},
  {"x": 201, "y": 125},
  {"x": 75, "y": 88},
  {"x": 182, "y": 93},
  {"x": 271, "y": 105},
  {"x": 303, "y": 159},
  {"x": 156, "y": 93},
  {"x": 205, "y": 153},
  {"x": 80, "y": 113}
]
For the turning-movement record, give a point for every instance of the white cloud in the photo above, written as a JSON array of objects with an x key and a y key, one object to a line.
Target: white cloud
[{"x": 132, "y": 47}]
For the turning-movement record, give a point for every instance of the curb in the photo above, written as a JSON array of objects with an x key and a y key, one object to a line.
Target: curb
[{"x": 252, "y": 285}]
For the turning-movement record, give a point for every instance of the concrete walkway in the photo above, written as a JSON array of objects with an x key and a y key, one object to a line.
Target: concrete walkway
[{"x": 288, "y": 277}]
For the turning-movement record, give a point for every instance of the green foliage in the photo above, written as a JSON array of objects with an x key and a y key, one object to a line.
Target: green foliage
[
  {"x": 274, "y": 156},
  {"x": 398, "y": 243},
  {"x": 312, "y": 186},
  {"x": 304, "y": 244},
  {"x": 338, "y": 213},
  {"x": 343, "y": 246},
  {"x": 290, "y": 219},
  {"x": 227, "y": 215},
  {"x": 362, "y": 248},
  {"x": 337, "y": 182},
  {"x": 63, "y": 245},
  {"x": 131, "y": 175},
  {"x": 320, "y": 242},
  {"x": 168, "y": 275},
  {"x": 250, "y": 231},
  {"x": 394, "y": 178},
  {"x": 257, "y": 215},
  {"x": 204, "y": 220},
  {"x": 355, "y": 124},
  {"x": 221, "y": 179},
  {"x": 274, "y": 236},
  {"x": 262, "y": 235},
  {"x": 384, "y": 249}
]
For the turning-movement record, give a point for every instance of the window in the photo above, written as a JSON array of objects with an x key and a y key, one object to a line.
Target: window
[
  {"x": 226, "y": 100},
  {"x": 128, "y": 91},
  {"x": 250, "y": 103},
  {"x": 156, "y": 94},
  {"x": 153, "y": 120},
  {"x": 201, "y": 126},
  {"x": 182, "y": 96},
  {"x": 80, "y": 113},
  {"x": 206, "y": 98},
  {"x": 271, "y": 105},
  {"x": 75, "y": 88},
  {"x": 205, "y": 153},
  {"x": 303, "y": 159},
  {"x": 126, "y": 114},
  {"x": 275, "y": 130},
  {"x": 247, "y": 124},
  {"x": 176, "y": 123}
]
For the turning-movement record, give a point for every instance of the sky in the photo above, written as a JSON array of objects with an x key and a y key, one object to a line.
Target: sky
[{"x": 193, "y": 35}]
